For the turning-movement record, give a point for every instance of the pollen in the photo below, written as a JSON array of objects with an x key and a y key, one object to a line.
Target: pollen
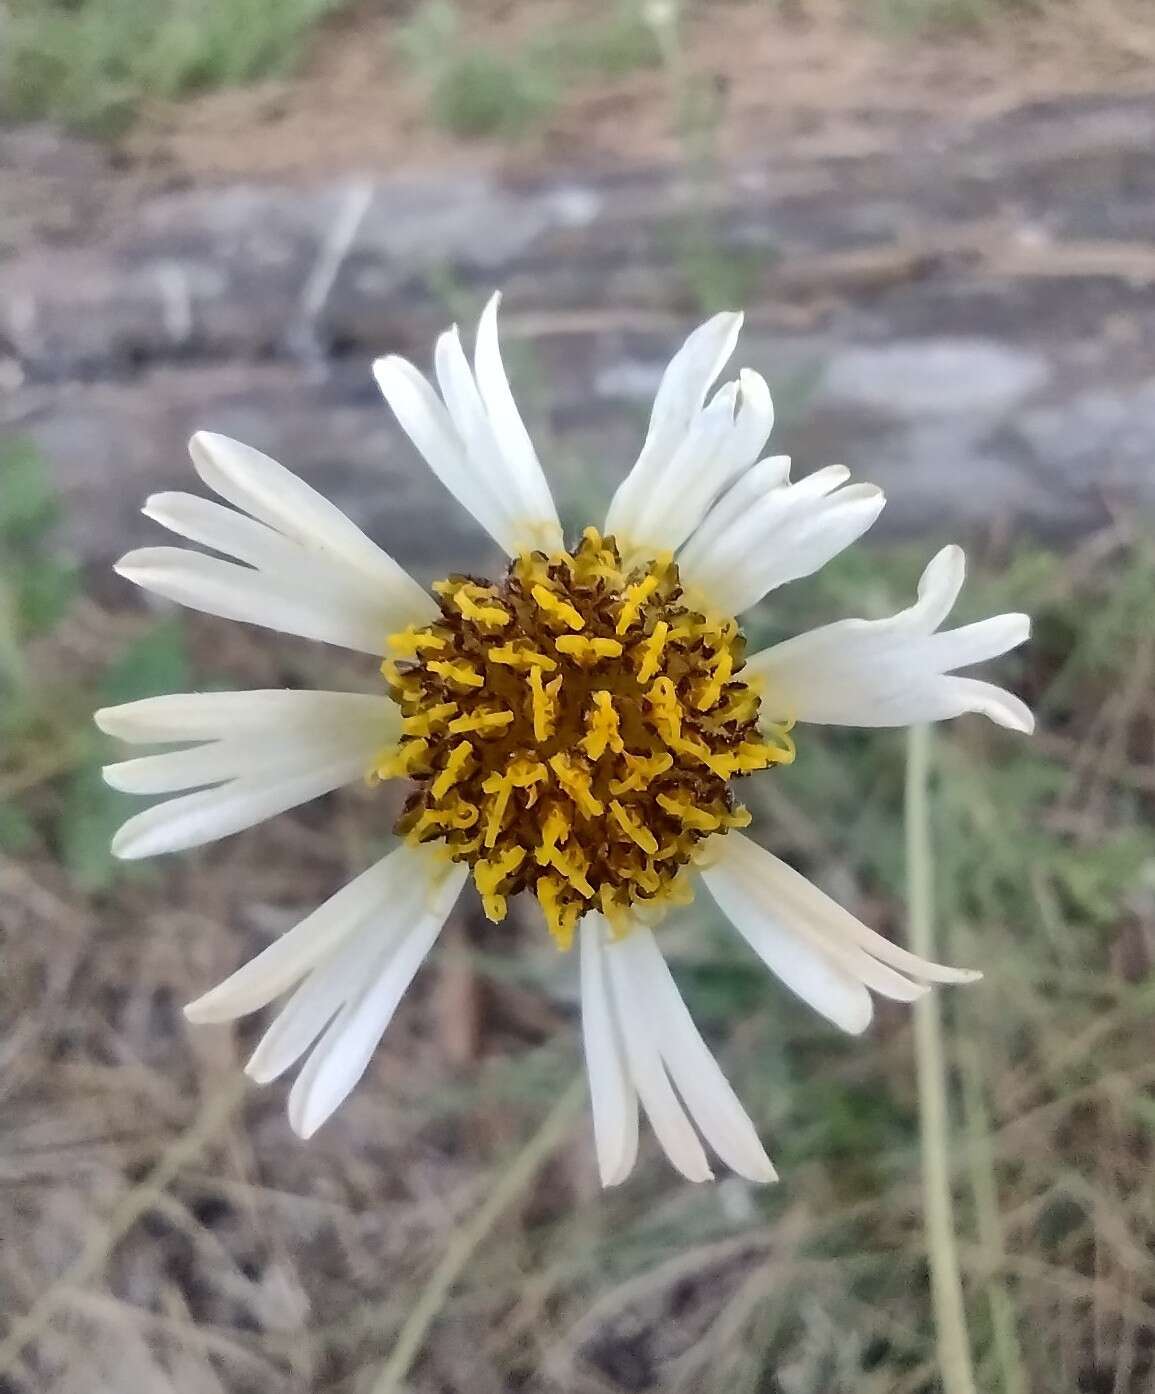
[{"x": 573, "y": 731}]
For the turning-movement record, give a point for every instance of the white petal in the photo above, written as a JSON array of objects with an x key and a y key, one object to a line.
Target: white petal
[
  {"x": 338, "y": 978},
  {"x": 719, "y": 446},
  {"x": 680, "y": 396},
  {"x": 984, "y": 698},
  {"x": 828, "y": 530},
  {"x": 681, "y": 494},
  {"x": 975, "y": 643},
  {"x": 424, "y": 419},
  {"x": 691, "y": 373},
  {"x": 269, "y": 492},
  {"x": 753, "y": 424},
  {"x": 330, "y": 579},
  {"x": 293, "y": 606},
  {"x": 634, "y": 1013},
  {"x": 189, "y": 769},
  {"x": 895, "y": 671},
  {"x": 520, "y": 509},
  {"x": 206, "y": 716},
  {"x": 535, "y": 500},
  {"x": 210, "y": 814},
  {"x": 612, "y": 1095},
  {"x": 475, "y": 441},
  {"x": 358, "y": 727},
  {"x": 223, "y": 529},
  {"x": 876, "y": 976},
  {"x": 467, "y": 412},
  {"x": 788, "y": 533},
  {"x": 746, "y": 491},
  {"x": 799, "y": 904},
  {"x": 314, "y": 939},
  {"x": 519, "y": 502},
  {"x": 939, "y": 587},
  {"x": 805, "y": 969},
  {"x": 341, "y": 1056},
  {"x": 745, "y": 874},
  {"x": 751, "y": 512},
  {"x": 714, "y": 1106}
]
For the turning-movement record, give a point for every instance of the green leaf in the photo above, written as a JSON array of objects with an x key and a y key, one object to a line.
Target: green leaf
[
  {"x": 16, "y": 830},
  {"x": 44, "y": 590},
  {"x": 90, "y": 813},
  {"x": 27, "y": 502}
]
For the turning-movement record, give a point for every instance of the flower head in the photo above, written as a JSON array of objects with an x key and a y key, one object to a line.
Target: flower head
[
  {"x": 576, "y": 728},
  {"x": 573, "y": 731}
]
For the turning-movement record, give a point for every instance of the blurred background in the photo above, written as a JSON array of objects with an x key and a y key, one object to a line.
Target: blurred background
[{"x": 940, "y": 216}]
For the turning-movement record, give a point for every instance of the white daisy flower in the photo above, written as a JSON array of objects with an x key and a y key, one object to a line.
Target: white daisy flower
[{"x": 572, "y": 729}]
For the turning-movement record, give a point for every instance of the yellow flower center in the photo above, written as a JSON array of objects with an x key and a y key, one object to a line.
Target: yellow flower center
[{"x": 573, "y": 731}]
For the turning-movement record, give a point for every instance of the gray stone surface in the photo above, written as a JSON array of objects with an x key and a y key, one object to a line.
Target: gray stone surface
[
  {"x": 969, "y": 320},
  {"x": 917, "y": 380}
]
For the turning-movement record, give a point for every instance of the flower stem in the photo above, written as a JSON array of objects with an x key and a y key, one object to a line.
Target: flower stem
[
  {"x": 976, "y": 1117},
  {"x": 946, "y": 1284},
  {"x": 511, "y": 1181}
]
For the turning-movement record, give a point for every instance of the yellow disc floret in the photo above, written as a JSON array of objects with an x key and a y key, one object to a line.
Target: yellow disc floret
[{"x": 573, "y": 731}]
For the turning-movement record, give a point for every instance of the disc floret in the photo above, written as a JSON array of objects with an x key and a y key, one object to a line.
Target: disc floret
[{"x": 572, "y": 730}]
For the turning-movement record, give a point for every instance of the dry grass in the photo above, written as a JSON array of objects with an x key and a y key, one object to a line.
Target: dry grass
[
  {"x": 531, "y": 86},
  {"x": 163, "y": 1231}
]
